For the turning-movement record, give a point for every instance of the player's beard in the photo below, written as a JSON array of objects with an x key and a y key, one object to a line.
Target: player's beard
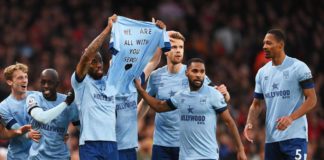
[
  {"x": 195, "y": 86},
  {"x": 95, "y": 74}
]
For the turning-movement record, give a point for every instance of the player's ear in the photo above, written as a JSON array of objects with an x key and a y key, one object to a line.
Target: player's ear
[
  {"x": 281, "y": 45},
  {"x": 9, "y": 82}
]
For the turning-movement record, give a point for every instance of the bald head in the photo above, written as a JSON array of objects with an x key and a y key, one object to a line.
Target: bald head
[
  {"x": 49, "y": 83},
  {"x": 50, "y": 72}
]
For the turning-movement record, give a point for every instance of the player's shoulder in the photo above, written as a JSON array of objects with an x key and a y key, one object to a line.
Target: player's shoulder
[
  {"x": 34, "y": 93},
  {"x": 209, "y": 90},
  {"x": 61, "y": 95},
  {"x": 265, "y": 67},
  {"x": 159, "y": 71},
  {"x": 4, "y": 102},
  {"x": 297, "y": 62}
]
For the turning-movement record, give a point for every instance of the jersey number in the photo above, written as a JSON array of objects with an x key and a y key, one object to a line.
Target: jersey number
[{"x": 298, "y": 155}]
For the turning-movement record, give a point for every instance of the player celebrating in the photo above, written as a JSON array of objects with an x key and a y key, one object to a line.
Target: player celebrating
[
  {"x": 96, "y": 102},
  {"x": 283, "y": 83},
  {"x": 197, "y": 106},
  {"x": 13, "y": 112},
  {"x": 163, "y": 84},
  {"x": 51, "y": 117}
]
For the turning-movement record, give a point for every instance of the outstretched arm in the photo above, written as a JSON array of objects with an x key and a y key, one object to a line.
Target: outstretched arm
[
  {"x": 90, "y": 52},
  {"x": 31, "y": 134},
  {"x": 46, "y": 116},
  {"x": 8, "y": 134},
  {"x": 155, "y": 104},
  {"x": 254, "y": 112},
  {"x": 235, "y": 133}
]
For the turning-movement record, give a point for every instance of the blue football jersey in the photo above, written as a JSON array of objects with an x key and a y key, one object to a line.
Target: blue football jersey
[
  {"x": 133, "y": 44},
  {"x": 163, "y": 85},
  {"x": 96, "y": 104},
  {"x": 280, "y": 87},
  {"x": 51, "y": 144},
  {"x": 198, "y": 121},
  {"x": 126, "y": 127},
  {"x": 14, "y": 111}
]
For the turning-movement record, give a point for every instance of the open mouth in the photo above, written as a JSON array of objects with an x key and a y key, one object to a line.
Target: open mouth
[
  {"x": 47, "y": 92},
  {"x": 24, "y": 86},
  {"x": 197, "y": 81}
]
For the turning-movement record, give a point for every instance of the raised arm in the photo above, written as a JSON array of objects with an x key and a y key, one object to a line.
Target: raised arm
[
  {"x": 235, "y": 133},
  {"x": 142, "y": 109},
  {"x": 90, "y": 52},
  {"x": 254, "y": 112},
  {"x": 155, "y": 104},
  {"x": 154, "y": 62}
]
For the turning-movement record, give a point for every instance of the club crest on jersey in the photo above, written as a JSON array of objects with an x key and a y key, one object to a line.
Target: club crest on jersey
[
  {"x": 182, "y": 100},
  {"x": 285, "y": 74},
  {"x": 32, "y": 102},
  {"x": 203, "y": 100}
]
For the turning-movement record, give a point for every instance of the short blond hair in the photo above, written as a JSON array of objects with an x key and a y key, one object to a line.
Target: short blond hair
[
  {"x": 8, "y": 71},
  {"x": 176, "y": 35}
]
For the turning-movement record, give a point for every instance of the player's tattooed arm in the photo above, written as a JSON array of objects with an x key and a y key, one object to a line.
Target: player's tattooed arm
[{"x": 90, "y": 52}]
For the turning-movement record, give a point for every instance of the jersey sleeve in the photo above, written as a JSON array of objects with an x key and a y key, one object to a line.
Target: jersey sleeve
[
  {"x": 165, "y": 42},
  {"x": 217, "y": 101},
  {"x": 75, "y": 81},
  {"x": 207, "y": 81},
  {"x": 6, "y": 118},
  {"x": 175, "y": 101},
  {"x": 151, "y": 88},
  {"x": 304, "y": 76},
  {"x": 258, "y": 93},
  {"x": 32, "y": 101},
  {"x": 74, "y": 113}
]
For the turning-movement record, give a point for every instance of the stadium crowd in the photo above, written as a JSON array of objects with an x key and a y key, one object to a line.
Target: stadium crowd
[{"x": 227, "y": 34}]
